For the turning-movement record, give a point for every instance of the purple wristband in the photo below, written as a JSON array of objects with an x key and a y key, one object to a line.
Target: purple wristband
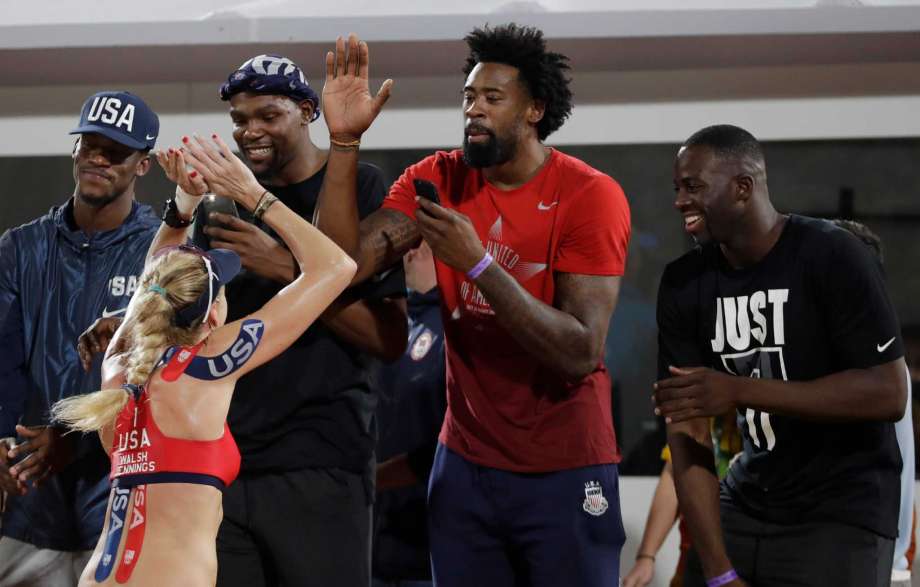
[
  {"x": 722, "y": 579},
  {"x": 480, "y": 267}
]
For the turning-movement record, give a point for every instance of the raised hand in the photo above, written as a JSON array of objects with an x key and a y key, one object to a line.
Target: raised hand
[
  {"x": 348, "y": 107},
  {"x": 175, "y": 166},
  {"x": 223, "y": 171}
]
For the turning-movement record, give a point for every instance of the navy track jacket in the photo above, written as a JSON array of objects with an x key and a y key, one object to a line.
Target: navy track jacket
[{"x": 55, "y": 281}]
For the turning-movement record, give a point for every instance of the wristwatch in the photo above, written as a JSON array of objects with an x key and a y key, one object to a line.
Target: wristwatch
[{"x": 172, "y": 218}]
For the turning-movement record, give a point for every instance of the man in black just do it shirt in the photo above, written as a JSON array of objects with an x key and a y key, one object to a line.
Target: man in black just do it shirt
[{"x": 786, "y": 319}]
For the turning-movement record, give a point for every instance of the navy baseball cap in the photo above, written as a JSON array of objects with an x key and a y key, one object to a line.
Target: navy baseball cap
[
  {"x": 222, "y": 265},
  {"x": 270, "y": 74},
  {"x": 122, "y": 117}
]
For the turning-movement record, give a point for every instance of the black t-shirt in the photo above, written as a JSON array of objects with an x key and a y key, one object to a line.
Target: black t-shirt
[
  {"x": 312, "y": 405},
  {"x": 815, "y": 305}
]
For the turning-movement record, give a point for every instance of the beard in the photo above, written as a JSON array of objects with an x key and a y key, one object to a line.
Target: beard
[
  {"x": 267, "y": 172},
  {"x": 493, "y": 152},
  {"x": 97, "y": 201}
]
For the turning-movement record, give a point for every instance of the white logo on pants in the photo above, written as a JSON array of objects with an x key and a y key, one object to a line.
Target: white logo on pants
[{"x": 595, "y": 503}]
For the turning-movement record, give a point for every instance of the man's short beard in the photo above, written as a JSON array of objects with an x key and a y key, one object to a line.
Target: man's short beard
[
  {"x": 98, "y": 202},
  {"x": 489, "y": 154},
  {"x": 271, "y": 172}
]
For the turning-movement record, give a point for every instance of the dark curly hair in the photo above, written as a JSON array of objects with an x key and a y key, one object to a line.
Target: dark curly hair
[{"x": 543, "y": 73}]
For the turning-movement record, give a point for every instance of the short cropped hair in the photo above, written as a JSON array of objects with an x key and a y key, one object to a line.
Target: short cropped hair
[
  {"x": 728, "y": 141},
  {"x": 542, "y": 72}
]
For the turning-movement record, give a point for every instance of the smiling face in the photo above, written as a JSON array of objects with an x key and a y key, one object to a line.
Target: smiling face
[
  {"x": 709, "y": 194},
  {"x": 499, "y": 113},
  {"x": 104, "y": 169},
  {"x": 269, "y": 130}
]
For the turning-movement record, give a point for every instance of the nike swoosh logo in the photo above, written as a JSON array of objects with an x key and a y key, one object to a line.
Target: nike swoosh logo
[
  {"x": 150, "y": 138},
  {"x": 542, "y": 206},
  {"x": 881, "y": 348},
  {"x": 107, "y": 314}
]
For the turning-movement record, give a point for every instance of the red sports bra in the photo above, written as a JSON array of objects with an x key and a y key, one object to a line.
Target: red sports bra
[{"x": 142, "y": 454}]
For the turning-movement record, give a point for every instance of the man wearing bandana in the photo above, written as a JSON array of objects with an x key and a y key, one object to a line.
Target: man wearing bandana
[{"x": 300, "y": 512}]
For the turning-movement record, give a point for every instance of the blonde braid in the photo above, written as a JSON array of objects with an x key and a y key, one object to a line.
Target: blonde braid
[
  {"x": 149, "y": 324},
  {"x": 150, "y": 335}
]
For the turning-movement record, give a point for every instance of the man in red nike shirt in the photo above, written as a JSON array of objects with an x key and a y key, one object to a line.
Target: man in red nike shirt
[{"x": 530, "y": 246}]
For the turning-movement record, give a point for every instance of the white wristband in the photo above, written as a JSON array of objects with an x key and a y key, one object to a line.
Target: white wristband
[{"x": 186, "y": 203}]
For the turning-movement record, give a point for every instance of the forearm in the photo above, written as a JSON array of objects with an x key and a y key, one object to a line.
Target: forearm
[
  {"x": 336, "y": 213},
  {"x": 855, "y": 394},
  {"x": 698, "y": 491},
  {"x": 167, "y": 236},
  {"x": 555, "y": 338},
  {"x": 312, "y": 250},
  {"x": 385, "y": 236},
  {"x": 661, "y": 515},
  {"x": 376, "y": 327},
  {"x": 375, "y": 243}
]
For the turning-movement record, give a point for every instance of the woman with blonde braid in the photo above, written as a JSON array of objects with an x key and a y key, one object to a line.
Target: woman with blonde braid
[{"x": 170, "y": 371}]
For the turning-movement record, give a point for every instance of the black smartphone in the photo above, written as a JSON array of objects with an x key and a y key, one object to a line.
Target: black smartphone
[
  {"x": 427, "y": 190},
  {"x": 212, "y": 203}
]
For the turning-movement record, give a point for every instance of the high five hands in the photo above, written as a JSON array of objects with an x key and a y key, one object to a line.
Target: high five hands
[
  {"x": 348, "y": 107},
  {"x": 225, "y": 174},
  {"x": 214, "y": 166},
  {"x": 175, "y": 165}
]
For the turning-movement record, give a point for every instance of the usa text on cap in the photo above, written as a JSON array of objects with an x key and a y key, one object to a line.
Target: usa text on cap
[{"x": 122, "y": 117}]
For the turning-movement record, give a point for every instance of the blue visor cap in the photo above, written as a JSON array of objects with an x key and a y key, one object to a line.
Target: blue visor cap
[
  {"x": 122, "y": 117},
  {"x": 270, "y": 74},
  {"x": 222, "y": 265}
]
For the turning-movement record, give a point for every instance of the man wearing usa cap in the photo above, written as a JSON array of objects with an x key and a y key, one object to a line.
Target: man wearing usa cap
[
  {"x": 58, "y": 274},
  {"x": 300, "y": 512}
]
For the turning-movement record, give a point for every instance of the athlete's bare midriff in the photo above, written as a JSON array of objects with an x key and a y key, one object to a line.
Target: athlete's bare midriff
[{"x": 179, "y": 539}]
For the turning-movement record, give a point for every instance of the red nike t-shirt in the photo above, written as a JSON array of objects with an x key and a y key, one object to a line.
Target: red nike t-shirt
[{"x": 505, "y": 410}]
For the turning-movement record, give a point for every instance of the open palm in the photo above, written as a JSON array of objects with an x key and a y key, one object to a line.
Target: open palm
[{"x": 348, "y": 106}]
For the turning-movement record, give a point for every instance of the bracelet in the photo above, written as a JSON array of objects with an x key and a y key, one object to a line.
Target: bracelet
[
  {"x": 264, "y": 204},
  {"x": 345, "y": 146},
  {"x": 723, "y": 579},
  {"x": 477, "y": 270},
  {"x": 648, "y": 556},
  {"x": 259, "y": 201}
]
